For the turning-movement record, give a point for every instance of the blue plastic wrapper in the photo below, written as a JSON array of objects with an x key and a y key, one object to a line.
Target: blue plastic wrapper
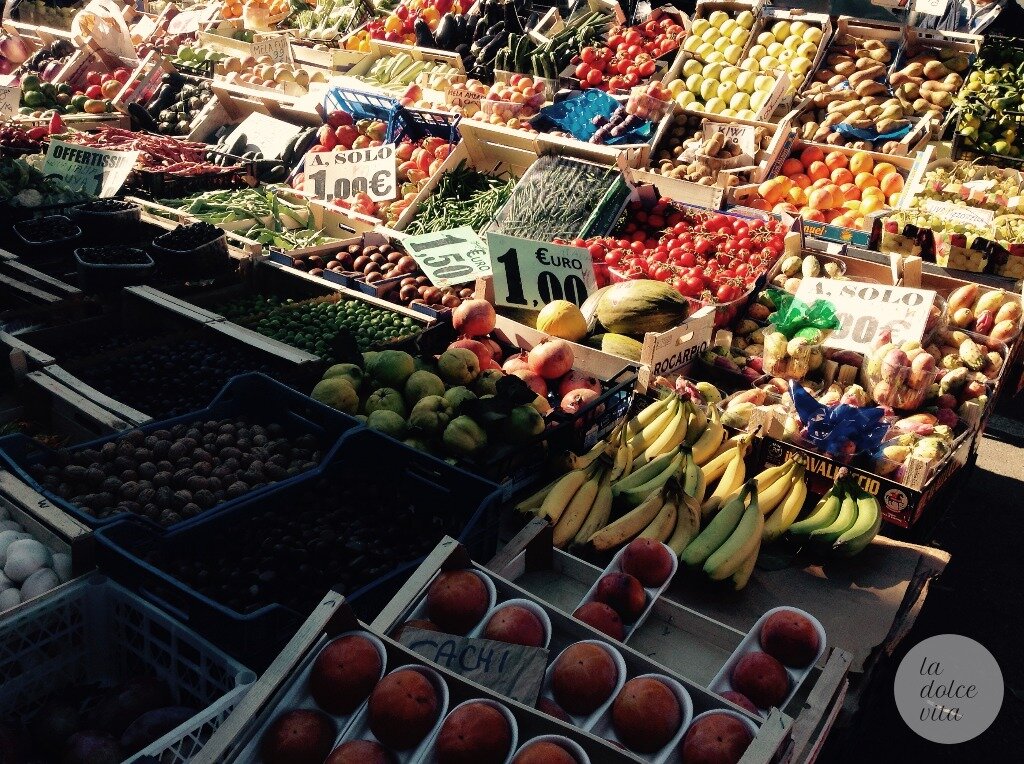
[
  {"x": 849, "y": 131},
  {"x": 830, "y": 428},
  {"x": 574, "y": 115}
]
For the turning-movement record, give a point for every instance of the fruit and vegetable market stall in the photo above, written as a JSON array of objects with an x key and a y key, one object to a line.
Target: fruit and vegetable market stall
[{"x": 435, "y": 381}]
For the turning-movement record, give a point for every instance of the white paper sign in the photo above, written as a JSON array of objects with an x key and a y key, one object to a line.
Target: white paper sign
[
  {"x": 743, "y": 135},
  {"x": 10, "y": 99},
  {"x": 977, "y": 217},
  {"x": 461, "y": 96},
  {"x": 530, "y": 274},
  {"x": 265, "y": 134},
  {"x": 867, "y": 310},
  {"x": 95, "y": 171},
  {"x": 343, "y": 174},
  {"x": 274, "y": 46},
  {"x": 102, "y": 20},
  {"x": 931, "y": 7},
  {"x": 449, "y": 257}
]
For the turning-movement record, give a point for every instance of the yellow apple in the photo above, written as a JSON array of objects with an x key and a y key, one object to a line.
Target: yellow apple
[
  {"x": 732, "y": 53},
  {"x": 727, "y": 26},
  {"x": 727, "y": 112},
  {"x": 812, "y": 34},
  {"x": 781, "y": 30},
  {"x": 768, "y": 63},
  {"x": 746, "y": 114},
  {"x": 730, "y": 73},
  {"x": 714, "y": 105},
  {"x": 745, "y": 81},
  {"x": 690, "y": 44},
  {"x": 717, "y": 18},
  {"x": 757, "y": 100},
  {"x": 698, "y": 27},
  {"x": 745, "y": 19},
  {"x": 757, "y": 52},
  {"x": 807, "y": 49},
  {"x": 711, "y": 35},
  {"x": 739, "y": 35},
  {"x": 715, "y": 56},
  {"x": 797, "y": 28},
  {"x": 676, "y": 87},
  {"x": 685, "y": 99},
  {"x": 775, "y": 49},
  {"x": 693, "y": 83},
  {"x": 714, "y": 71},
  {"x": 708, "y": 88},
  {"x": 800, "y": 65},
  {"x": 764, "y": 83},
  {"x": 726, "y": 90},
  {"x": 766, "y": 39},
  {"x": 691, "y": 66},
  {"x": 704, "y": 50},
  {"x": 739, "y": 101},
  {"x": 722, "y": 43}
]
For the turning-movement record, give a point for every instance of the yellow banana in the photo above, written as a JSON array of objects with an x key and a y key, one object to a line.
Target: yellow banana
[
  {"x": 671, "y": 437},
  {"x": 661, "y": 527},
  {"x": 630, "y": 524},
  {"x": 561, "y": 494},
  {"x": 533, "y": 502},
  {"x": 742, "y": 576},
  {"x": 648, "y": 415},
  {"x": 619, "y": 461},
  {"x": 776, "y": 489},
  {"x": 696, "y": 423},
  {"x": 767, "y": 477},
  {"x": 715, "y": 468},
  {"x": 599, "y": 513},
  {"x": 687, "y": 524},
  {"x": 575, "y": 514},
  {"x": 730, "y": 443},
  {"x": 709, "y": 441},
  {"x": 731, "y": 481},
  {"x": 787, "y": 512},
  {"x": 641, "y": 440}
]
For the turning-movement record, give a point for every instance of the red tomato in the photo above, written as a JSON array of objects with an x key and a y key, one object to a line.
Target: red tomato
[
  {"x": 647, "y": 68},
  {"x": 588, "y": 55},
  {"x": 594, "y": 77},
  {"x": 582, "y": 72},
  {"x": 94, "y": 92},
  {"x": 93, "y": 78}
]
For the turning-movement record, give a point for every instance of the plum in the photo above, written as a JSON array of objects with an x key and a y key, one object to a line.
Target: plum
[{"x": 153, "y": 725}]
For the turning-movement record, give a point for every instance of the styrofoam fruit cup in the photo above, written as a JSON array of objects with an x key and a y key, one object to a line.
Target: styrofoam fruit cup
[{"x": 533, "y": 607}]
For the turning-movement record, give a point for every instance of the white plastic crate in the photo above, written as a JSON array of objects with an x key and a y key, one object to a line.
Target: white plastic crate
[{"x": 92, "y": 630}]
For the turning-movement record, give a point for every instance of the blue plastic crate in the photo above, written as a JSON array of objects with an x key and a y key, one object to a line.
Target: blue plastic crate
[
  {"x": 255, "y": 396},
  {"x": 360, "y": 104},
  {"x": 442, "y": 500},
  {"x": 415, "y": 124}
]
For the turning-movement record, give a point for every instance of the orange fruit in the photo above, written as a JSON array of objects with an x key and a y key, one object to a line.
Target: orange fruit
[
  {"x": 836, "y": 160},
  {"x": 817, "y": 170},
  {"x": 810, "y": 155},
  {"x": 860, "y": 162},
  {"x": 851, "y": 191},
  {"x": 865, "y": 180},
  {"x": 792, "y": 167},
  {"x": 800, "y": 179},
  {"x": 820, "y": 199},
  {"x": 890, "y": 183},
  {"x": 884, "y": 168},
  {"x": 774, "y": 189},
  {"x": 841, "y": 176}
]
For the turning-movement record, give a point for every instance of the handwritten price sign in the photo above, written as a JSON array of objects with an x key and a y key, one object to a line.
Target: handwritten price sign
[
  {"x": 530, "y": 274},
  {"x": 275, "y": 47},
  {"x": 10, "y": 99},
  {"x": 867, "y": 310},
  {"x": 343, "y": 174},
  {"x": 449, "y": 257}
]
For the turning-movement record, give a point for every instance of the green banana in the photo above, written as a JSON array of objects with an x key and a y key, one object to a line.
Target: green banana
[
  {"x": 742, "y": 542},
  {"x": 860, "y": 534},
  {"x": 633, "y": 496},
  {"x": 824, "y": 514},
  {"x": 717, "y": 531},
  {"x": 645, "y": 473},
  {"x": 844, "y": 521}
]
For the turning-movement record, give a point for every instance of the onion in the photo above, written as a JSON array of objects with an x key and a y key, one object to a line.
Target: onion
[
  {"x": 51, "y": 69},
  {"x": 6, "y": 66},
  {"x": 13, "y": 49}
]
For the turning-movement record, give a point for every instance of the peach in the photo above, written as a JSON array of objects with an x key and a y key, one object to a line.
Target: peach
[
  {"x": 715, "y": 739},
  {"x": 841, "y": 175},
  {"x": 884, "y": 168},
  {"x": 809, "y": 213},
  {"x": 361, "y": 752},
  {"x": 403, "y": 708},
  {"x": 475, "y": 733},
  {"x": 792, "y": 166},
  {"x": 851, "y": 191},
  {"x": 773, "y": 190},
  {"x": 757, "y": 203},
  {"x": 544, "y": 752},
  {"x": 603, "y": 618},
  {"x": 820, "y": 199},
  {"x": 791, "y": 637},
  {"x": 894, "y": 200},
  {"x": 761, "y": 678},
  {"x": 800, "y": 179},
  {"x": 846, "y": 220},
  {"x": 797, "y": 196},
  {"x": 344, "y": 673},
  {"x": 742, "y": 701},
  {"x": 831, "y": 215},
  {"x": 870, "y": 204},
  {"x": 821, "y": 183},
  {"x": 785, "y": 207},
  {"x": 583, "y": 678},
  {"x": 646, "y": 714},
  {"x": 891, "y": 183},
  {"x": 817, "y": 171},
  {"x": 836, "y": 160},
  {"x": 299, "y": 736},
  {"x": 552, "y": 709},
  {"x": 865, "y": 180},
  {"x": 853, "y": 204},
  {"x": 624, "y": 593},
  {"x": 648, "y": 560},
  {"x": 516, "y": 625},
  {"x": 457, "y": 600},
  {"x": 860, "y": 162},
  {"x": 810, "y": 155}
]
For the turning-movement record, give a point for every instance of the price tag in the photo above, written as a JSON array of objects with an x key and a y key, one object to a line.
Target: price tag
[
  {"x": 461, "y": 96},
  {"x": 10, "y": 99},
  {"x": 931, "y": 7},
  {"x": 449, "y": 257},
  {"x": 343, "y": 174},
  {"x": 95, "y": 171},
  {"x": 274, "y": 46},
  {"x": 867, "y": 310},
  {"x": 743, "y": 135},
  {"x": 530, "y": 274},
  {"x": 955, "y": 213},
  {"x": 515, "y": 671}
]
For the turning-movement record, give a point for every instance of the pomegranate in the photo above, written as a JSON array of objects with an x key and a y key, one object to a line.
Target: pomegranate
[
  {"x": 533, "y": 380},
  {"x": 574, "y": 401},
  {"x": 473, "y": 318},
  {"x": 552, "y": 358},
  {"x": 578, "y": 380},
  {"x": 519, "y": 361},
  {"x": 481, "y": 351}
]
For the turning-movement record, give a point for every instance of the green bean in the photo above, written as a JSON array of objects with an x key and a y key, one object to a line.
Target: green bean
[{"x": 462, "y": 197}]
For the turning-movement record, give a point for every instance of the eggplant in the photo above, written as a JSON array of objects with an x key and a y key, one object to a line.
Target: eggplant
[
  {"x": 496, "y": 29},
  {"x": 143, "y": 118},
  {"x": 491, "y": 11},
  {"x": 512, "y": 21},
  {"x": 480, "y": 29},
  {"x": 488, "y": 52},
  {"x": 478, "y": 45},
  {"x": 446, "y": 32},
  {"x": 424, "y": 37}
]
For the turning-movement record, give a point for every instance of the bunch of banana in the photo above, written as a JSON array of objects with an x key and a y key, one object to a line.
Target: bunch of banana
[
  {"x": 672, "y": 422},
  {"x": 727, "y": 547},
  {"x": 843, "y": 522},
  {"x": 782, "y": 492},
  {"x": 729, "y": 469}
]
